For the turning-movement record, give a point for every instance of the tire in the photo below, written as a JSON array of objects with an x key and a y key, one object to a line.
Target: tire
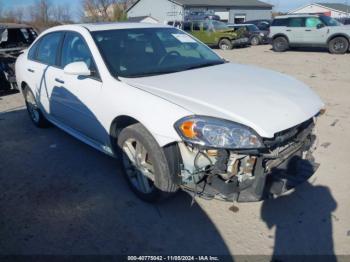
[
  {"x": 33, "y": 109},
  {"x": 146, "y": 167},
  {"x": 280, "y": 44},
  {"x": 338, "y": 45},
  {"x": 225, "y": 44},
  {"x": 255, "y": 41}
]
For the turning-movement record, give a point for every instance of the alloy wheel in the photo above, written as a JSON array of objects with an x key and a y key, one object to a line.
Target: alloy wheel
[
  {"x": 138, "y": 166},
  {"x": 32, "y": 107}
]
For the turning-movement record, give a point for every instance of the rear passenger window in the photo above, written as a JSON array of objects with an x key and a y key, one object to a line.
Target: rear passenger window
[
  {"x": 280, "y": 22},
  {"x": 297, "y": 22},
  {"x": 32, "y": 51},
  {"x": 48, "y": 48}
]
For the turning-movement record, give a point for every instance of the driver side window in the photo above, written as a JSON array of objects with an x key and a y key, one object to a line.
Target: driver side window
[
  {"x": 313, "y": 22},
  {"x": 76, "y": 50}
]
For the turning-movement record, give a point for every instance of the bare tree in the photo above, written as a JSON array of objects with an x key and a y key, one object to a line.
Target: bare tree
[
  {"x": 61, "y": 14},
  {"x": 105, "y": 10},
  {"x": 98, "y": 10}
]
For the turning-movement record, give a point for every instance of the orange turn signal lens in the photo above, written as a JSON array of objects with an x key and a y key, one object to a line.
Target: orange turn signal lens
[{"x": 187, "y": 129}]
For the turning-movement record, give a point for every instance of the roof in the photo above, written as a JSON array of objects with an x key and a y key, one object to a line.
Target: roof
[
  {"x": 250, "y": 3},
  {"x": 339, "y": 7},
  {"x": 107, "y": 26},
  {"x": 218, "y": 3},
  {"x": 296, "y": 15},
  {"x": 140, "y": 18}
]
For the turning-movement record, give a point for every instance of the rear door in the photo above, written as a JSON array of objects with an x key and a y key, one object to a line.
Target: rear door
[
  {"x": 295, "y": 30},
  {"x": 41, "y": 67}
]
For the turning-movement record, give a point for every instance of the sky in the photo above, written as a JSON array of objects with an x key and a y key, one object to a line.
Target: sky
[{"x": 280, "y": 5}]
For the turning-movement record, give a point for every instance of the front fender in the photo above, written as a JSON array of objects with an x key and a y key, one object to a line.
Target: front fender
[{"x": 156, "y": 114}]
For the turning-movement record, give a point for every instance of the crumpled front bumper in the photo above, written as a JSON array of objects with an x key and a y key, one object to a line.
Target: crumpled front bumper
[
  {"x": 273, "y": 175},
  {"x": 276, "y": 177}
]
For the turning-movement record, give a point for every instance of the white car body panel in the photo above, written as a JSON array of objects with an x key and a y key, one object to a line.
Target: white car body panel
[{"x": 266, "y": 101}]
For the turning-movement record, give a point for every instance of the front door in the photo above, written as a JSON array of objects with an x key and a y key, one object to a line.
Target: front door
[
  {"x": 80, "y": 95},
  {"x": 316, "y": 32}
]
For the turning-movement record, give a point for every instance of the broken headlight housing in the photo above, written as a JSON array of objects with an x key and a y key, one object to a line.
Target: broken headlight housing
[{"x": 217, "y": 133}]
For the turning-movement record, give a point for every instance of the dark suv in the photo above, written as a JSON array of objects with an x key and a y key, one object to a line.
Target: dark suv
[
  {"x": 13, "y": 39},
  {"x": 255, "y": 35}
]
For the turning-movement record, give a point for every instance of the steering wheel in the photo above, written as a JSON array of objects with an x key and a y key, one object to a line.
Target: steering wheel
[{"x": 171, "y": 53}]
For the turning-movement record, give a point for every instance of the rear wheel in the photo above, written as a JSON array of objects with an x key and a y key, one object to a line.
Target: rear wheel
[
  {"x": 33, "y": 109},
  {"x": 338, "y": 45},
  {"x": 225, "y": 44},
  {"x": 145, "y": 164},
  {"x": 255, "y": 41},
  {"x": 280, "y": 44}
]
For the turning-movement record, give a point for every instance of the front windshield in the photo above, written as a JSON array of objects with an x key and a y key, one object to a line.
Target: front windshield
[
  {"x": 253, "y": 28},
  {"x": 219, "y": 25},
  {"x": 329, "y": 21},
  {"x": 152, "y": 51}
]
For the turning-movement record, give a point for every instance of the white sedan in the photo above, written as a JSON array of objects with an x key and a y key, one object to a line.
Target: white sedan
[{"x": 171, "y": 110}]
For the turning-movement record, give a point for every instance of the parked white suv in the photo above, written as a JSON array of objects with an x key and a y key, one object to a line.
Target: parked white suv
[
  {"x": 309, "y": 30},
  {"x": 175, "y": 113}
]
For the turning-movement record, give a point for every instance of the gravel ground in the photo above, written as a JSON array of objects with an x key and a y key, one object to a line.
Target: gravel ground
[{"x": 59, "y": 196}]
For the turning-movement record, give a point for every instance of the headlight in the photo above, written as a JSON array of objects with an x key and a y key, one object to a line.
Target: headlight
[
  {"x": 217, "y": 133},
  {"x": 262, "y": 34}
]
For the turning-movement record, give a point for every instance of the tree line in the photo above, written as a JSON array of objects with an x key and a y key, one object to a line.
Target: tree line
[{"x": 47, "y": 13}]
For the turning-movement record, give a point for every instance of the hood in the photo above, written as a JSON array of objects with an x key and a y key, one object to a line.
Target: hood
[{"x": 267, "y": 101}]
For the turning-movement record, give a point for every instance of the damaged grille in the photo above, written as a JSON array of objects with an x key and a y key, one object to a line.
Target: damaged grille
[{"x": 297, "y": 133}]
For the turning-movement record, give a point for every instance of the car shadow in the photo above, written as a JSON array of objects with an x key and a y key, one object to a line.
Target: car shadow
[
  {"x": 306, "y": 49},
  {"x": 303, "y": 223},
  {"x": 58, "y": 196},
  {"x": 4, "y": 93}
]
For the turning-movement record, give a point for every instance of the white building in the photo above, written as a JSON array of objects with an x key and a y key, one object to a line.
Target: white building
[
  {"x": 329, "y": 9},
  {"x": 233, "y": 11}
]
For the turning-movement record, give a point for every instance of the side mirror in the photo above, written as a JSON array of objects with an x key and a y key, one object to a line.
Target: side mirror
[
  {"x": 319, "y": 26},
  {"x": 77, "y": 68}
]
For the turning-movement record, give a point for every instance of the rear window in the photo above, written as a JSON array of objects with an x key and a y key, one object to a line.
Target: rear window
[{"x": 280, "y": 22}]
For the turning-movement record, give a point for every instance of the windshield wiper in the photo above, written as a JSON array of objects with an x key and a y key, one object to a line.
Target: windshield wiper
[{"x": 204, "y": 65}]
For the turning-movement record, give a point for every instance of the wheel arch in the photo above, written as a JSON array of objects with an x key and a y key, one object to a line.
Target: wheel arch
[
  {"x": 280, "y": 35},
  {"x": 117, "y": 125},
  {"x": 171, "y": 149},
  {"x": 347, "y": 37}
]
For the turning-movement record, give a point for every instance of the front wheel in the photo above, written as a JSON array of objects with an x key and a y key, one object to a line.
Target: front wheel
[
  {"x": 338, "y": 45},
  {"x": 145, "y": 164},
  {"x": 280, "y": 44},
  {"x": 225, "y": 44}
]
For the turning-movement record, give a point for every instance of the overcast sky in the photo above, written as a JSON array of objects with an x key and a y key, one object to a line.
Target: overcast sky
[{"x": 280, "y": 5}]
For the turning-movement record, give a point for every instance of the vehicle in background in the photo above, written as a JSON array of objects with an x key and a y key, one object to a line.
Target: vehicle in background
[
  {"x": 13, "y": 39},
  {"x": 200, "y": 15},
  {"x": 217, "y": 34},
  {"x": 255, "y": 35},
  {"x": 174, "y": 113},
  {"x": 344, "y": 21},
  {"x": 263, "y": 25},
  {"x": 309, "y": 31}
]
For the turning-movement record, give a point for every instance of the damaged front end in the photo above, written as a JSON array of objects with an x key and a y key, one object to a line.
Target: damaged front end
[{"x": 248, "y": 174}]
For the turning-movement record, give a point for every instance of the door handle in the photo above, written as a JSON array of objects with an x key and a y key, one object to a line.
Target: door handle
[
  {"x": 59, "y": 81},
  {"x": 289, "y": 30},
  {"x": 308, "y": 30},
  {"x": 31, "y": 70}
]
